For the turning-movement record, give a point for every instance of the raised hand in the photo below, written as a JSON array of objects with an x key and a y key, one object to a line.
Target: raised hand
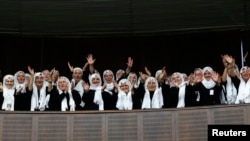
[
  {"x": 90, "y": 59},
  {"x": 31, "y": 70},
  {"x": 71, "y": 68},
  {"x": 147, "y": 71},
  {"x": 130, "y": 62}
]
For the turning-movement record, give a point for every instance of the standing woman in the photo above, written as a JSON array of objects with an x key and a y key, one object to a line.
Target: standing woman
[
  {"x": 133, "y": 79},
  {"x": 61, "y": 98},
  {"x": 209, "y": 87},
  {"x": 230, "y": 80},
  {"x": 8, "y": 93},
  {"x": 151, "y": 95},
  {"x": 108, "y": 94},
  {"x": 77, "y": 85},
  {"x": 23, "y": 84},
  {"x": 38, "y": 98},
  {"x": 125, "y": 98},
  {"x": 93, "y": 94},
  {"x": 179, "y": 94},
  {"x": 244, "y": 88}
]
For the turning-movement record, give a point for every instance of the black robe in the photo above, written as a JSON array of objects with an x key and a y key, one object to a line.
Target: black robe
[
  {"x": 208, "y": 96},
  {"x": 172, "y": 97},
  {"x": 23, "y": 101},
  {"x": 88, "y": 99}
]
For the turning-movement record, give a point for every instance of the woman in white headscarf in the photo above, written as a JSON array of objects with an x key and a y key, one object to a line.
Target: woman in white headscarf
[
  {"x": 23, "y": 84},
  {"x": 209, "y": 87},
  {"x": 77, "y": 82},
  {"x": 135, "y": 83},
  {"x": 180, "y": 94},
  {"x": 108, "y": 94},
  {"x": 93, "y": 95},
  {"x": 38, "y": 98},
  {"x": 152, "y": 96},
  {"x": 8, "y": 93},
  {"x": 61, "y": 98},
  {"x": 230, "y": 80},
  {"x": 125, "y": 99},
  {"x": 244, "y": 88}
]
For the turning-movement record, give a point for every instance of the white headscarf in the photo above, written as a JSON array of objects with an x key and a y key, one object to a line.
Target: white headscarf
[
  {"x": 136, "y": 85},
  {"x": 118, "y": 72},
  {"x": 207, "y": 83},
  {"x": 64, "y": 104},
  {"x": 244, "y": 90},
  {"x": 38, "y": 102},
  {"x": 8, "y": 94},
  {"x": 20, "y": 85},
  {"x": 157, "y": 100},
  {"x": 109, "y": 86},
  {"x": 78, "y": 86},
  {"x": 182, "y": 87},
  {"x": 98, "y": 90},
  {"x": 124, "y": 101}
]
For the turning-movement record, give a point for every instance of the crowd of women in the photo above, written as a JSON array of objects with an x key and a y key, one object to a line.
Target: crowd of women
[{"x": 90, "y": 89}]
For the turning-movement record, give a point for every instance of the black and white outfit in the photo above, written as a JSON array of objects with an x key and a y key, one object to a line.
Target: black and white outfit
[
  {"x": 61, "y": 100},
  {"x": 125, "y": 100},
  {"x": 93, "y": 98},
  {"x": 209, "y": 91},
  {"x": 179, "y": 95},
  {"x": 151, "y": 99},
  {"x": 22, "y": 99},
  {"x": 8, "y": 94},
  {"x": 77, "y": 96},
  {"x": 229, "y": 90},
  {"x": 38, "y": 98},
  {"x": 108, "y": 95},
  {"x": 79, "y": 88},
  {"x": 135, "y": 82},
  {"x": 244, "y": 88}
]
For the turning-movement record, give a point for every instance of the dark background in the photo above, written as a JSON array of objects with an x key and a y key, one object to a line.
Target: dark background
[{"x": 181, "y": 52}]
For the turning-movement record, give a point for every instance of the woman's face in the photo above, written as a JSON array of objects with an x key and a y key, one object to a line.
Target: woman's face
[
  {"x": 55, "y": 75},
  {"x": 62, "y": 84},
  {"x": 176, "y": 79},
  {"x": 132, "y": 78},
  {"x": 207, "y": 75},
  {"x": 245, "y": 74},
  {"x": 27, "y": 79},
  {"x": 9, "y": 82},
  {"x": 21, "y": 77},
  {"x": 77, "y": 75},
  {"x": 108, "y": 77},
  {"x": 96, "y": 81},
  {"x": 39, "y": 81},
  {"x": 46, "y": 75},
  {"x": 198, "y": 75},
  {"x": 151, "y": 85},
  {"x": 124, "y": 87}
]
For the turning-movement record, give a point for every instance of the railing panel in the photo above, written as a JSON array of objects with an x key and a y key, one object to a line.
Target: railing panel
[{"x": 186, "y": 124}]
